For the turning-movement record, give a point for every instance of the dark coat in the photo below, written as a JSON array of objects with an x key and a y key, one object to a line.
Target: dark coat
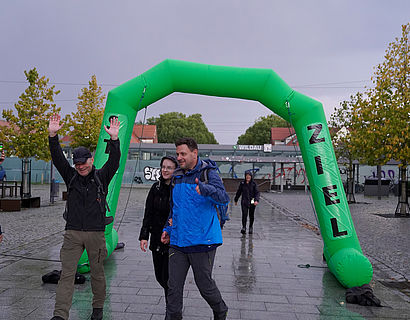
[
  {"x": 157, "y": 207},
  {"x": 84, "y": 208},
  {"x": 248, "y": 191}
]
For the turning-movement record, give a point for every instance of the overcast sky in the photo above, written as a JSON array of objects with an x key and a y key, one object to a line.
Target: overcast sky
[{"x": 324, "y": 49}]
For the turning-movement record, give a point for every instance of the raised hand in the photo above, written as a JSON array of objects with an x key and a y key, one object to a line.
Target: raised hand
[
  {"x": 114, "y": 128},
  {"x": 54, "y": 124}
]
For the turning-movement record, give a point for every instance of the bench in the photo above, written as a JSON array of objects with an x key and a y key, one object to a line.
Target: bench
[
  {"x": 10, "y": 204},
  {"x": 12, "y": 188}
]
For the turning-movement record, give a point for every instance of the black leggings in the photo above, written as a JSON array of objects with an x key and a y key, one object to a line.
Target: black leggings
[
  {"x": 160, "y": 260},
  {"x": 245, "y": 210}
]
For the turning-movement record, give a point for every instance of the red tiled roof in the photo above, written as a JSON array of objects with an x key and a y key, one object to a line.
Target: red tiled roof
[
  {"x": 283, "y": 134},
  {"x": 145, "y": 132}
]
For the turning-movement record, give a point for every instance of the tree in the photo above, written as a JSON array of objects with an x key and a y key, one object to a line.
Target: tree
[
  {"x": 382, "y": 121},
  {"x": 27, "y": 136},
  {"x": 260, "y": 131},
  {"x": 86, "y": 121},
  {"x": 342, "y": 135},
  {"x": 174, "y": 125}
]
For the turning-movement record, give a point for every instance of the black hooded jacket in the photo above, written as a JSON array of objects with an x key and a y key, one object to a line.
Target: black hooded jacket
[
  {"x": 248, "y": 191},
  {"x": 157, "y": 208}
]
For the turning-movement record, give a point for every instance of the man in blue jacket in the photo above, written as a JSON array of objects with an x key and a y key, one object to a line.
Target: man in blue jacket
[{"x": 193, "y": 230}]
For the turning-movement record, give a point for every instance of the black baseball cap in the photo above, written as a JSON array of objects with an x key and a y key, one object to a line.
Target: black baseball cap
[{"x": 81, "y": 154}]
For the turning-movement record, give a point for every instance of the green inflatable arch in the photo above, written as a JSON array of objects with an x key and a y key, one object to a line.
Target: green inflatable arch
[{"x": 341, "y": 246}]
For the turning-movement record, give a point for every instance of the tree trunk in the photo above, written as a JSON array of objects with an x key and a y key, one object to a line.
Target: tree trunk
[
  {"x": 402, "y": 208},
  {"x": 25, "y": 178}
]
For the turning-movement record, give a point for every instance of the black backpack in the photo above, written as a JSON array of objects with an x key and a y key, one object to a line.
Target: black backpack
[{"x": 221, "y": 209}]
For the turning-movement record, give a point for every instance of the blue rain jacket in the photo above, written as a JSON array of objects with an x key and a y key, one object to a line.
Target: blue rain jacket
[{"x": 194, "y": 218}]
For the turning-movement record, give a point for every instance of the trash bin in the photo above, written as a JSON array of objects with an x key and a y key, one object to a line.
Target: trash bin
[
  {"x": 371, "y": 185},
  {"x": 55, "y": 187}
]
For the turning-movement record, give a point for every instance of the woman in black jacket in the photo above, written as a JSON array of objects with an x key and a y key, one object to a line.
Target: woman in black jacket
[
  {"x": 250, "y": 199},
  {"x": 155, "y": 217}
]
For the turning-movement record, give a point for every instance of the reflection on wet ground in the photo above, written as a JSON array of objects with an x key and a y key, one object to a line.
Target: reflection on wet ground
[{"x": 243, "y": 266}]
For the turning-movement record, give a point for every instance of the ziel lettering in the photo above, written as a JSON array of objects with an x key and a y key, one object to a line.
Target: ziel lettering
[{"x": 318, "y": 128}]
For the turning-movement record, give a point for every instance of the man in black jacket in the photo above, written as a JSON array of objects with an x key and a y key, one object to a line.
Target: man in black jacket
[{"x": 85, "y": 216}]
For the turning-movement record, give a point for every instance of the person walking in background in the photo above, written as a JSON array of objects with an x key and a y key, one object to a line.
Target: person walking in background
[
  {"x": 156, "y": 214},
  {"x": 250, "y": 199},
  {"x": 85, "y": 216},
  {"x": 195, "y": 231},
  {"x": 2, "y": 171}
]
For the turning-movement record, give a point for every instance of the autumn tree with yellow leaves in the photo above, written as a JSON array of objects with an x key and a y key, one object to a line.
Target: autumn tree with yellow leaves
[
  {"x": 379, "y": 120},
  {"x": 26, "y": 134},
  {"x": 86, "y": 121}
]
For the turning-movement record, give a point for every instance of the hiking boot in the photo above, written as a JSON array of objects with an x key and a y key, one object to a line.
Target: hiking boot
[
  {"x": 243, "y": 230},
  {"x": 250, "y": 230},
  {"x": 57, "y": 318},
  {"x": 97, "y": 314},
  {"x": 220, "y": 316}
]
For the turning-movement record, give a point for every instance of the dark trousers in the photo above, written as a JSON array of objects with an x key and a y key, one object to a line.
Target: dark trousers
[
  {"x": 245, "y": 210},
  {"x": 73, "y": 246},
  {"x": 160, "y": 260},
  {"x": 202, "y": 264}
]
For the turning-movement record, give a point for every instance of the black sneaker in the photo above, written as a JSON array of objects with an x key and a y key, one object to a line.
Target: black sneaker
[
  {"x": 97, "y": 314},
  {"x": 57, "y": 318},
  {"x": 250, "y": 230},
  {"x": 243, "y": 230}
]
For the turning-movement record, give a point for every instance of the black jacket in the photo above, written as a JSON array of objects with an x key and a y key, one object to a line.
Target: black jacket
[
  {"x": 156, "y": 215},
  {"x": 248, "y": 191},
  {"x": 84, "y": 210}
]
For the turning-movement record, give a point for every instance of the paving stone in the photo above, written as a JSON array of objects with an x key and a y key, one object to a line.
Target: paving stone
[
  {"x": 258, "y": 275},
  {"x": 265, "y": 315}
]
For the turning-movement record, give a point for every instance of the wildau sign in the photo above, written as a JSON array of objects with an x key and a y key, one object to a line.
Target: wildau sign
[{"x": 251, "y": 147}]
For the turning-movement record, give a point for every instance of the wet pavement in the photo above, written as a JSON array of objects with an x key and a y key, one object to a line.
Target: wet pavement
[
  {"x": 258, "y": 275},
  {"x": 384, "y": 239}
]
